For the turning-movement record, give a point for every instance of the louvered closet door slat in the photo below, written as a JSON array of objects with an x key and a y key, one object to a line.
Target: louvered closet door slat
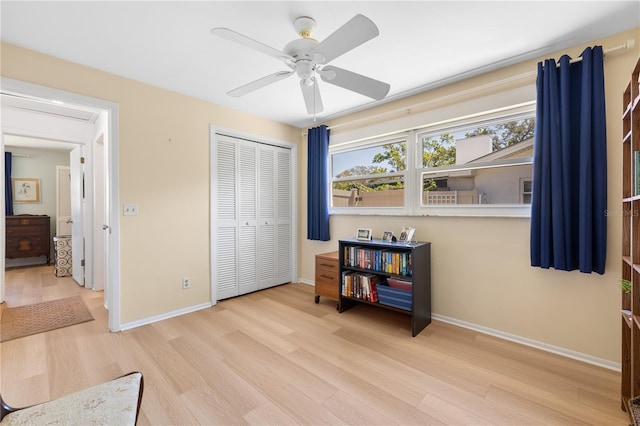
[
  {"x": 283, "y": 273},
  {"x": 283, "y": 193},
  {"x": 248, "y": 271},
  {"x": 226, "y": 263},
  {"x": 267, "y": 182},
  {"x": 248, "y": 190},
  {"x": 226, "y": 180},
  {"x": 267, "y": 258}
]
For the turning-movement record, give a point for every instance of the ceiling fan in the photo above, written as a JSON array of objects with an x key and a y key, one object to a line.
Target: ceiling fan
[{"x": 308, "y": 58}]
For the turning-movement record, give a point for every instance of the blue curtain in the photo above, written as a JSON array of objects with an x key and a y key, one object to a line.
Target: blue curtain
[
  {"x": 8, "y": 191},
  {"x": 317, "y": 184},
  {"x": 568, "y": 222}
]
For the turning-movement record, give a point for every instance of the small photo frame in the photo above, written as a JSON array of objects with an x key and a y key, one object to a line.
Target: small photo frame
[
  {"x": 387, "y": 236},
  {"x": 26, "y": 190},
  {"x": 363, "y": 234},
  {"x": 407, "y": 234}
]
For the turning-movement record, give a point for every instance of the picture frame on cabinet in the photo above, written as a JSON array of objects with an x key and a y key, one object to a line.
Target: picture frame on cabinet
[
  {"x": 387, "y": 236},
  {"x": 363, "y": 234},
  {"x": 406, "y": 236},
  {"x": 26, "y": 190}
]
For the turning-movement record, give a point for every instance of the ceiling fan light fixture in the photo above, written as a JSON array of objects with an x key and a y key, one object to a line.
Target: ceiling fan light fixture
[
  {"x": 303, "y": 26},
  {"x": 304, "y": 69}
]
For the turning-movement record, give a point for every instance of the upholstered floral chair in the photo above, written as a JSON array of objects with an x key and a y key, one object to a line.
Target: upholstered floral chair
[{"x": 116, "y": 402}]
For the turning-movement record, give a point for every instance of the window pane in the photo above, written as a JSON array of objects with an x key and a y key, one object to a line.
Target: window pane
[
  {"x": 485, "y": 183},
  {"x": 374, "y": 192},
  {"x": 387, "y": 158},
  {"x": 485, "y": 143},
  {"x": 370, "y": 177},
  {"x": 481, "y": 152}
]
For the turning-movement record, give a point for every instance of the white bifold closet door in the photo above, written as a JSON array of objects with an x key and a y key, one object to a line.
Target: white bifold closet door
[{"x": 253, "y": 188}]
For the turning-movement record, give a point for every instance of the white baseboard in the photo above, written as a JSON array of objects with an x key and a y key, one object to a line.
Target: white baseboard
[
  {"x": 600, "y": 362},
  {"x": 156, "y": 318},
  {"x": 305, "y": 281}
]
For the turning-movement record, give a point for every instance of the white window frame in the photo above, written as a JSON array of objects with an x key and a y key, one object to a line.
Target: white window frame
[
  {"x": 406, "y": 175},
  {"x": 413, "y": 186},
  {"x": 498, "y": 210},
  {"x": 523, "y": 180}
]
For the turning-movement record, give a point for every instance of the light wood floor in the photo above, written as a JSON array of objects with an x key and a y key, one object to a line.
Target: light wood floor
[{"x": 275, "y": 357}]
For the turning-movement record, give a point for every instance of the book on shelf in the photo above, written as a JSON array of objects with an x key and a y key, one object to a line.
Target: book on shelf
[
  {"x": 360, "y": 286},
  {"x": 383, "y": 260}
]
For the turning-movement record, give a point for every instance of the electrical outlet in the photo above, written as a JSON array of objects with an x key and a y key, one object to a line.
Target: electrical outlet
[
  {"x": 186, "y": 283},
  {"x": 130, "y": 210}
]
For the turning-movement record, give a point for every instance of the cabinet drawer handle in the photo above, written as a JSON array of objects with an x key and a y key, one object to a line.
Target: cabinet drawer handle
[
  {"x": 328, "y": 265},
  {"x": 327, "y": 276}
]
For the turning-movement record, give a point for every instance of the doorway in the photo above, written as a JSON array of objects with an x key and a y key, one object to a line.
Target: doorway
[{"x": 51, "y": 105}]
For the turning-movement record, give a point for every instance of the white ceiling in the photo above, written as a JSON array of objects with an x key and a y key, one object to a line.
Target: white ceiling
[{"x": 422, "y": 44}]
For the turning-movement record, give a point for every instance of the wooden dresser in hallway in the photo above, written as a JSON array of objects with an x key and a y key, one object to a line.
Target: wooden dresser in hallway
[{"x": 28, "y": 236}]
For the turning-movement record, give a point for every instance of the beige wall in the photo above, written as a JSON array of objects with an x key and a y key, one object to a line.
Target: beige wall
[
  {"x": 160, "y": 132},
  {"x": 481, "y": 270}
]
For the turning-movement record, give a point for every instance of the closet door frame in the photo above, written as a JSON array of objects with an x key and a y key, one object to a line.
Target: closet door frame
[{"x": 213, "y": 198}]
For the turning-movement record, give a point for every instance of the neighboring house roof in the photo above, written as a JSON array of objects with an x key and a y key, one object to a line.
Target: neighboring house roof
[{"x": 513, "y": 151}]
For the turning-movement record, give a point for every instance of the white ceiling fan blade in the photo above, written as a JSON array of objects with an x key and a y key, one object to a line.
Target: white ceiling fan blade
[
  {"x": 312, "y": 98},
  {"x": 254, "y": 85},
  {"x": 355, "y": 32},
  {"x": 251, "y": 43},
  {"x": 355, "y": 82}
]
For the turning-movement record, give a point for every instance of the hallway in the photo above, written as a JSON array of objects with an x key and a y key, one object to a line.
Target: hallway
[{"x": 34, "y": 284}]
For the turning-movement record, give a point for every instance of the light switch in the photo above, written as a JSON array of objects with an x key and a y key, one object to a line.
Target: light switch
[{"x": 130, "y": 210}]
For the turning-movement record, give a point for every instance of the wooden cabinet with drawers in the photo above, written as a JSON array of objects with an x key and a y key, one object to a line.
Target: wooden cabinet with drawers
[
  {"x": 28, "y": 236},
  {"x": 327, "y": 270}
]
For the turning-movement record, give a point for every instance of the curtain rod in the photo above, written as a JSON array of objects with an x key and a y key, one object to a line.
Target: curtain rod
[{"x": 626, "y": 45}]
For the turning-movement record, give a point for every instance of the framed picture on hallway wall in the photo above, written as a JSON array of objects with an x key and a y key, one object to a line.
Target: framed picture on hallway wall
[{"x": 26, "y": 190}]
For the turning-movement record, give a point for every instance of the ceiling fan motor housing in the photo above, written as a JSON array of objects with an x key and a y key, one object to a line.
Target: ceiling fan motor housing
[{"x": 300, "y": 50}]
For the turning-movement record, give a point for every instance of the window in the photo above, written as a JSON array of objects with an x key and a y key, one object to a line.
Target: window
[
  {"x": 476, "y": 165},
  {"x": 483, "y": 163},
  {"x": 370, "y": 176},
  {"x": 526, "y": 185}
]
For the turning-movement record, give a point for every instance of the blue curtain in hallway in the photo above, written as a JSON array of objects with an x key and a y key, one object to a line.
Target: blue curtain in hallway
[
  {"x": 568, "y": 222},
  {"x": 317, "y": 186},
  {"x": 8, "y": 191}
]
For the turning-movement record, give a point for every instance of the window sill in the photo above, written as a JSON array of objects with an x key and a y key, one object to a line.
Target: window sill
[{"x": 483, "y": 210}]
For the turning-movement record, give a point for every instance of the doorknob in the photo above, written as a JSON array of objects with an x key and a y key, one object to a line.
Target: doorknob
[
  {"x": 105, "y": 227},
  {"x": 69, "y": 221}
]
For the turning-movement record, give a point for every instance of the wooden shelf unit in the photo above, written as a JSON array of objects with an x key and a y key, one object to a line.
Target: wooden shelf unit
[
  {"x": 419, "y": 278},
  {"x": 327, "y": 275},
  {"x": 630, "y": 384}
]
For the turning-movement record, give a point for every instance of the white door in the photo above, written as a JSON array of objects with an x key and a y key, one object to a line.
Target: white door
[
  {"x": 247, "y": 213},
  {"x": 63, "y": 201},
  {"x": 77, "y": 211},
  {"x": 101, "y": 229},
  {"x": 252, "y": 225},
  {"x": 284, "y": 241},
  {"x": 225, "y": 249},
  {"x": 266, "y": 216}
]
